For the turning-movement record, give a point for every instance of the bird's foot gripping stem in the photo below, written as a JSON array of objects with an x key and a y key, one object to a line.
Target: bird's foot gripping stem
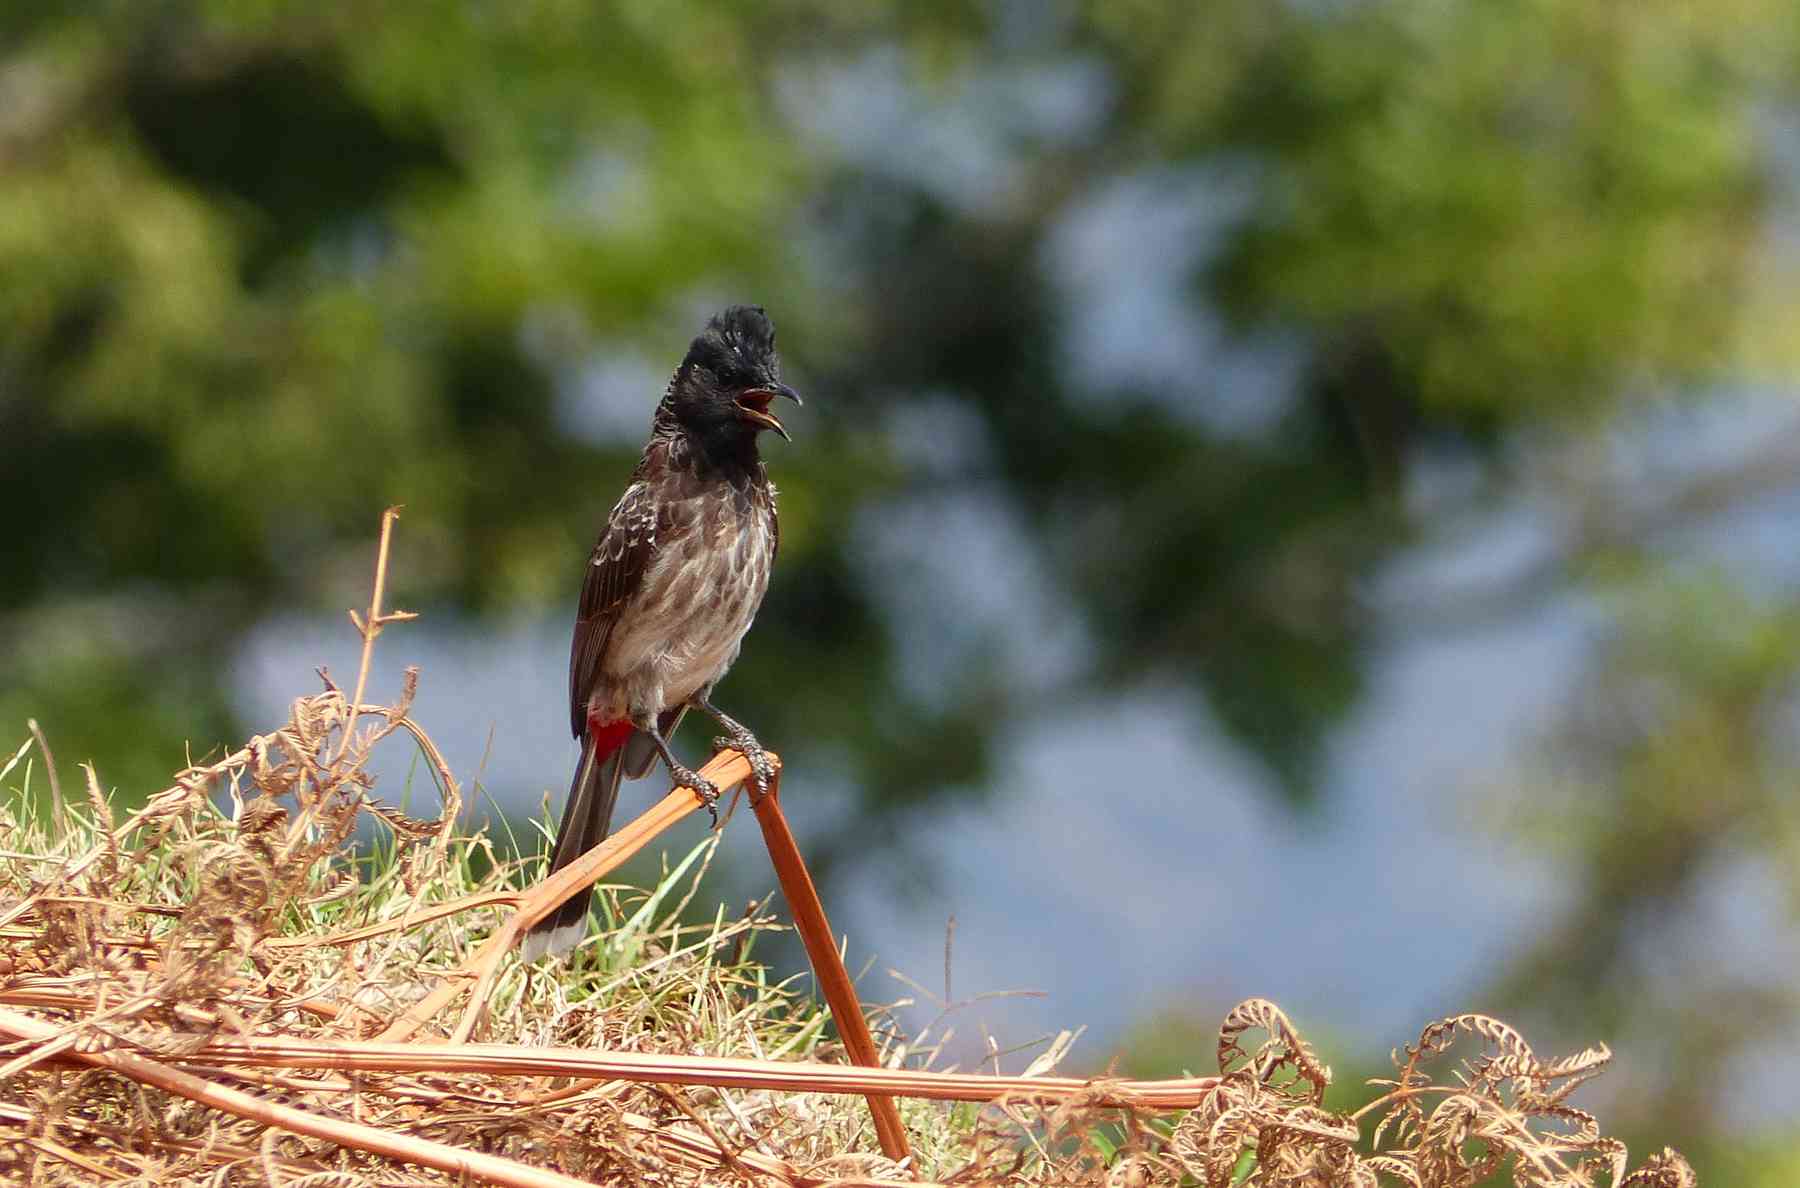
[
  {"x": 762, "y": 771},
  {"x": 687, "y": 777}
]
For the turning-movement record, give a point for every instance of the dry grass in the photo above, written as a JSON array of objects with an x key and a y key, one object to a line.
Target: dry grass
[{"x": 193, "y": 995}]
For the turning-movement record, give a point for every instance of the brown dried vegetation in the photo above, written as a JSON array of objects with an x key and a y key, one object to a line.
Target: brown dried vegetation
[{"x": 191, "y": 997}]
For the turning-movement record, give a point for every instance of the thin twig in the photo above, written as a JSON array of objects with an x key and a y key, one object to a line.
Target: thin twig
[
  {"x": 355, "y": 1135},
  {"x": 413, "y": 919},
  {"x": 949, "y": 943},
  {"x": 56, "y": 799},
  {"x": 371, "y": 628},
  {"x": 723, "y": 1072},
  {"x": 87, "y": 1164},
  {"x": 679, "y": 1100}
]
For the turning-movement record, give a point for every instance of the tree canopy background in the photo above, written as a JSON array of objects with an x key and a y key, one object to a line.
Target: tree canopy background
[{"x": 1217, "y": 313}]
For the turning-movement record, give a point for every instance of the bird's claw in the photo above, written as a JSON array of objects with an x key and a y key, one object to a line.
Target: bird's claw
[
  {"x": 762, "y": 772},
  {"x": 701, "y": 787}
]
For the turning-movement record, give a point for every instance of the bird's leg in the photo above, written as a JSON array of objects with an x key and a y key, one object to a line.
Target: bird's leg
[
  {"x": 683, "y": 775},
  {"x": 739, "y": 739}
]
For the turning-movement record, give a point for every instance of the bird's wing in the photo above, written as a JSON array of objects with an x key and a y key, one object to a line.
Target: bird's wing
[{"x": 614, "y": 572}]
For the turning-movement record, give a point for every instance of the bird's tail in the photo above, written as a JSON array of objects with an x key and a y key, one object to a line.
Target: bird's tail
[{"x": 586, "y": 819}]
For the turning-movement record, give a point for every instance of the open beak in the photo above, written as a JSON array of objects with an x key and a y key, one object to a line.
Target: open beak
[{"x": 753, "y": 406}]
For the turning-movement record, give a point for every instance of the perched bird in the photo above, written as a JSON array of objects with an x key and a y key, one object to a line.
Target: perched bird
[{"x": 672, "y": 586}]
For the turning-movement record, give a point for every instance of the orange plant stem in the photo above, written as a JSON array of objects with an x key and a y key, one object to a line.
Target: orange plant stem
[
  {"x": 724, "y": 1072},
  {"x": 726, "y": 770},
  {"x": 828, "y": 967}
]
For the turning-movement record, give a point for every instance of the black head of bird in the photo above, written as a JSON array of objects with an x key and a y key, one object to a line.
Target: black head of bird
[{"x": 722, "y": 391}]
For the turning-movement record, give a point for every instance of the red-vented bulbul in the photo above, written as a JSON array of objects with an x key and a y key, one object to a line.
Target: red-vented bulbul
[{"x": 673, "y": 584}]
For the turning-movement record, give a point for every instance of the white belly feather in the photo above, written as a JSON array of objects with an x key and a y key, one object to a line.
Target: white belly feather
[{"x": 682, "y": 630}]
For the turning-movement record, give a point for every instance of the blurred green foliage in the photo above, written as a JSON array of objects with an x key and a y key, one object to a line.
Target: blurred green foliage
[{"x": 266, "y": 268}]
